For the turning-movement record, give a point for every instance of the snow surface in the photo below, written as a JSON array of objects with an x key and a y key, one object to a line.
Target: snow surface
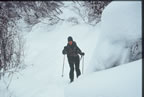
[
  {"x": 42, "y": 77},
  {"x": 121, "y": 81}
]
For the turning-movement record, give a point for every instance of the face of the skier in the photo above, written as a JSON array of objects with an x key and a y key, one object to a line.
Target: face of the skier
[{"x": 70, "y": 42}]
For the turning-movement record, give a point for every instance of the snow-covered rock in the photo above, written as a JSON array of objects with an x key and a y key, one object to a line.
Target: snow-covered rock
[{"x": 120, "y": 29}]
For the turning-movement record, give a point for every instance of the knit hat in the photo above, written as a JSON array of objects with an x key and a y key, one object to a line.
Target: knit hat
[{"x": 70, "y": 38}]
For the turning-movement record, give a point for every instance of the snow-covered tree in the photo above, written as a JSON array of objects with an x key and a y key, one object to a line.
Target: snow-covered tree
[
  {"x": 91, "y": 11},
  {"x": 11, "y": 38}
]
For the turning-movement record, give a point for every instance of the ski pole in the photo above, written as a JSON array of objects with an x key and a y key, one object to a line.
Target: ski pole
[
  {"x": 63, "y": 66},
  {"x": 83, "y": 65},
  {"x": 81, "y": 57}
]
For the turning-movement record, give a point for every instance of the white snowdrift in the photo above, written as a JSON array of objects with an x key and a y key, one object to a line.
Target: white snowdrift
[
  {"x": 121, "y": 21},
  {"x": 121, "y": 81},
  {"x": 120, "y": 26}
]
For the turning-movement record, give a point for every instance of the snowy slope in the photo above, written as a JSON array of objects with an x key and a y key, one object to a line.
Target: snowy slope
[
  {"x": 121, "y": 24},
  {"x": 42, "y": 77},
  {"x": 121, "y": 81}
]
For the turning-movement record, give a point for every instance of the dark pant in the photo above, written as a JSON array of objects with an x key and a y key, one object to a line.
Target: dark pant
[{"x": 74, "y": 61}]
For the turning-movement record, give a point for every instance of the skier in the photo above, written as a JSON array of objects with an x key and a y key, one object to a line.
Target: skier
[{"x": 72, "y": 51}]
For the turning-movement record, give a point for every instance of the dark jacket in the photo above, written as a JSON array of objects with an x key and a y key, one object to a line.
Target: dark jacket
[{"x": 72, "y": 50}]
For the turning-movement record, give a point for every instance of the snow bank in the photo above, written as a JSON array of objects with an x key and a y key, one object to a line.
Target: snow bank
[
  {"x": 121, "y": 81},
  {"x": 121, "y": 20},
  {"x": 120, "y": 26}
]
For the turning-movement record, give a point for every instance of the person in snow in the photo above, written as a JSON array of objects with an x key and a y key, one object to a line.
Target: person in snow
[{"x": 72, "y": 51}]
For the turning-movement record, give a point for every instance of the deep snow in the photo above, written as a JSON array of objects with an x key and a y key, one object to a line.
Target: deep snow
[
  {"x": 121, "y": 81},
  {"x": 42, "y": 77},
  {"x": 121, "y": 24}
]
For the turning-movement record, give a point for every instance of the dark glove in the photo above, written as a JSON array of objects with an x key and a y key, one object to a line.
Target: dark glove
[
  {"x": 64, "y": 51},
  {"x": 82, "y": 53}
]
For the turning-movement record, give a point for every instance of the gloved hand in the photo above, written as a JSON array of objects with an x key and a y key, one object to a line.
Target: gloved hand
[
  {"x": 64, "y": 51},
  {"x": 82, "y": 53}
]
